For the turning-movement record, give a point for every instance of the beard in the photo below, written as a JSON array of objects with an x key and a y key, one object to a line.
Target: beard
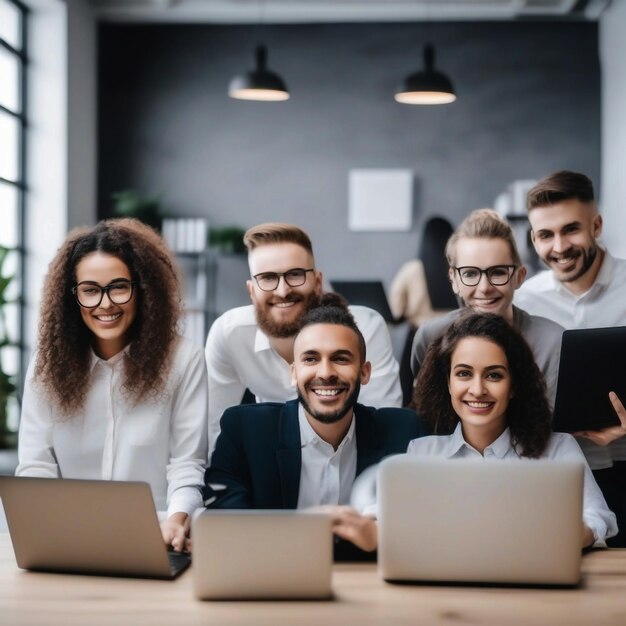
[
  {"x": 281, "y": 330},
  {"x": 588, "y": 256},
  {"x": 335, "y": 416}
]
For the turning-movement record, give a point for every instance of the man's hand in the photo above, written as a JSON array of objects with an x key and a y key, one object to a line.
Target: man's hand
[
  {"x": 588, "y": 537},
  {"x": 350, "y": 525},
  {"x": 175, "y": 531},
  {"x": 605, "y": 436}
]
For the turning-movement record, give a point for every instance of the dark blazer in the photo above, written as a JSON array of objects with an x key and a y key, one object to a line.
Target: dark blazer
[{"x": 257, "y": 456}]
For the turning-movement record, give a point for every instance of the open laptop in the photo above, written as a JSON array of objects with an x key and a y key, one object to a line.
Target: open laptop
[
  {"x": 370, "y": 293},
  {"x": 87, "y": 527},
  {"x": 467, "y": 521},
  {"x": 592, "y": 364},
  {"x": 258, "y": 554}
]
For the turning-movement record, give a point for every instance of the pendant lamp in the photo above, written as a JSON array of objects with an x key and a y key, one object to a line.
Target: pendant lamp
[
  {"x": 260, "y": 84},
  {"x": 427, "y": 86}
]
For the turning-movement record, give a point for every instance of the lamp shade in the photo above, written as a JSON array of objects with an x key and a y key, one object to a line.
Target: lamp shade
[
  {"x": 260, "y": 84},
  {"x": 427, "y": 86}
]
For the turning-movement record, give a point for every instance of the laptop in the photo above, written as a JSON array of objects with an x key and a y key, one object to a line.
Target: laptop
[
  {"x": 592, "y": 364},
  {"x": 370, "y": 293},
  {"x": 259, "y": 554},
  {"x": 87, "y": 527},
  {"x": 467, "y": 521}
]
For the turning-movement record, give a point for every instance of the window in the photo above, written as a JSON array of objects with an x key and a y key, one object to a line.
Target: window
[{"x": 12, "y": 187}]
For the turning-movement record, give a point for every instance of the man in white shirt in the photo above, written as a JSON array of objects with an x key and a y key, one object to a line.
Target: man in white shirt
[
  {"x": 307, "y": 452},
  {"x": 585, "y": 287},
  {"x": 252, "y": 346}
]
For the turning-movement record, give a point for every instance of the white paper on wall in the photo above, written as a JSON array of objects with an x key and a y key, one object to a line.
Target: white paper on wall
[{"x": 380, "y": 199}]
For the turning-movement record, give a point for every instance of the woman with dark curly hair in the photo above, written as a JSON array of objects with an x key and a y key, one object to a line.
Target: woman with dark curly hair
[
  {"x": 483, "y": 395},
  {"x": 113, "y": 392},
  {"x": 441, "y": 390}
]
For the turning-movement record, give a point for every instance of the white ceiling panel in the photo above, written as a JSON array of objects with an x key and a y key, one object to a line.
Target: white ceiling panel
[{"x": 302, "y": 11}]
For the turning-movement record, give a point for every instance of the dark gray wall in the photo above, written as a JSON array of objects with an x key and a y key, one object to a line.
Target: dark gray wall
[{"x": 528, "y": 103}]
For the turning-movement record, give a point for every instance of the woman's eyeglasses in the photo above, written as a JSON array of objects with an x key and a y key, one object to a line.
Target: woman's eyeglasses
[
  {"x": 497, "y": 275},
  {"x": 89, "y": 295}
]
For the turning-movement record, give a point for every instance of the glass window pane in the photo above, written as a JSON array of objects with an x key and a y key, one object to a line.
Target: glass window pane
[
  {"x": 10, "y": 363},
  {"x": 9, "y": 197},
  {"x": 9, "y": 80},
  {"x": 9, "y": 126},
  {"x": 10, "y": 24},
  {"x": 9, "y": 329},
  {"x": 9, "y": 300}
]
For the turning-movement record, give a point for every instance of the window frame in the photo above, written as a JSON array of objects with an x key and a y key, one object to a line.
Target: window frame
[{"x": 20, "y": 183}]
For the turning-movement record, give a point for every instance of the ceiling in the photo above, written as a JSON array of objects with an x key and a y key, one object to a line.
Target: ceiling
[{"x": 301, "y": 11}]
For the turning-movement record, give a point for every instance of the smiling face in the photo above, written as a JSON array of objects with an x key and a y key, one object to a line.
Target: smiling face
[
  {"x": 564, "y": 236},
  {"x": 328, "y": 370},
  {"x": 480, "y": 388},
  {"x": 279, "y": 312},
  {"x": 485, "y": 297},
  {"x": 109, "y": 323}
]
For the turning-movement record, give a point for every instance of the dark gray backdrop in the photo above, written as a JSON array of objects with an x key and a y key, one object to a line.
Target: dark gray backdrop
[{"x": 528, "y": 103}]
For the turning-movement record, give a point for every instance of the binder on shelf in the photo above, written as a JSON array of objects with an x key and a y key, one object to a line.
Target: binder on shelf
[{"x": 186, "y": 234}]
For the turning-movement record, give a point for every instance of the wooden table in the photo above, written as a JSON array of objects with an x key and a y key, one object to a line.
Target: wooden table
[{"x": 361, "y": 598}]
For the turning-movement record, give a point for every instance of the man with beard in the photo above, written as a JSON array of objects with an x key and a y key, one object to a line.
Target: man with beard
[
  {"x": 252, "y": 346},
  {"x": 585, "y": 287},
  {"x": 307, "y": 452}
]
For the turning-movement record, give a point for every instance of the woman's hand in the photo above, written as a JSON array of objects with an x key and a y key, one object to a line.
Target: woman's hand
[{"x": 175, "y": 531}]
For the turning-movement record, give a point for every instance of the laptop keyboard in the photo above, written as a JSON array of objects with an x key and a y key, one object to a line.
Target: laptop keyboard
[{"x": 178, "y": 561}]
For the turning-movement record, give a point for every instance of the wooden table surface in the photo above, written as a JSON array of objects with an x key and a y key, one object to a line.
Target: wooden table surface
[{"x": 361, "y": 598}]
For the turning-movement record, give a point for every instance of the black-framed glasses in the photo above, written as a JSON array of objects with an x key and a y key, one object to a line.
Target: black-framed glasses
[
  {"x": 268, "y": 281},
  {"x": 89, "y": 295},
  {"x": 497, "y": 275}
]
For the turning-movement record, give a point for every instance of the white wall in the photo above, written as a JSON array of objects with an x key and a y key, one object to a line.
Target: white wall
[
  {"x": 46, "y": 217},
  {"x": 613, "y": 185},
  {"x": 61, "y": 141}
]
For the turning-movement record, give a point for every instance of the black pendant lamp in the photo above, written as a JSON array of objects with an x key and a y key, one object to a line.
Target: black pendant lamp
[
  {"x": 427, "y": 86},
  {"x": 260, "y": 84}
]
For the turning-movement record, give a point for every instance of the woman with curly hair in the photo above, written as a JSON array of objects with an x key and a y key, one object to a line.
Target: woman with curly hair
[
  {"x": 113, "y": 392},
  {"x": 483, "y": 396}
]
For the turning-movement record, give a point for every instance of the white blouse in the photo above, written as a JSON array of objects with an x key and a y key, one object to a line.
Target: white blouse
[
  {"x": 162, "y": 441},
  {"x": 561, "y": 446}
]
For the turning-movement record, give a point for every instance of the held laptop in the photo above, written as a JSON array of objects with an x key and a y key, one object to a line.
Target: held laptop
[
  {"x": 467, "y": 521},
  {"x": 592, "y": 364},
  {"x": 370, "y": 293},
  {"x": 258, "y": 554},
  {"x": 87, "y": 527}
]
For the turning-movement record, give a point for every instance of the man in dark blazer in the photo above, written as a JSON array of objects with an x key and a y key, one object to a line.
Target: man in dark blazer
[{"x": 307, "y": 452}]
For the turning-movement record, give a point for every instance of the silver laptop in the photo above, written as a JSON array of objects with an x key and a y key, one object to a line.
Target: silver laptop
[
  {"x": 257, "y": 554},
  {"x": 87, "y": 527},
  {"x": 503, "y": 522}
]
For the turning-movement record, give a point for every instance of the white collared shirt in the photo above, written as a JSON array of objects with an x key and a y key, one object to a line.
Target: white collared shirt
[
  {"x": 603, "y": 305},
  {"x": 561, "y": 447},
  {"x": 239, "y": 355},
  {"x": 161, "y": 441},
  {"x": 326, "y": 474}
]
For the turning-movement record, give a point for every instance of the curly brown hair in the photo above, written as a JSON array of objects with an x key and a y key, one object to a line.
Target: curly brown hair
[
  {"x": 63, "y": 356},
  {"x": 528, "y": 414}
]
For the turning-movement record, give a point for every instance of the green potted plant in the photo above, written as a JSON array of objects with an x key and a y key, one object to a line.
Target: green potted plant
[
  {"x": 7, "y": 384},
  {"x": 227, "y": 239},
  {"x": 129, "y": 203}
]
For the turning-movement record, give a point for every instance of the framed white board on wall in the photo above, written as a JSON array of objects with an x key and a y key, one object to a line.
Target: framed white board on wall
[{"x": 380, "y": 199}]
